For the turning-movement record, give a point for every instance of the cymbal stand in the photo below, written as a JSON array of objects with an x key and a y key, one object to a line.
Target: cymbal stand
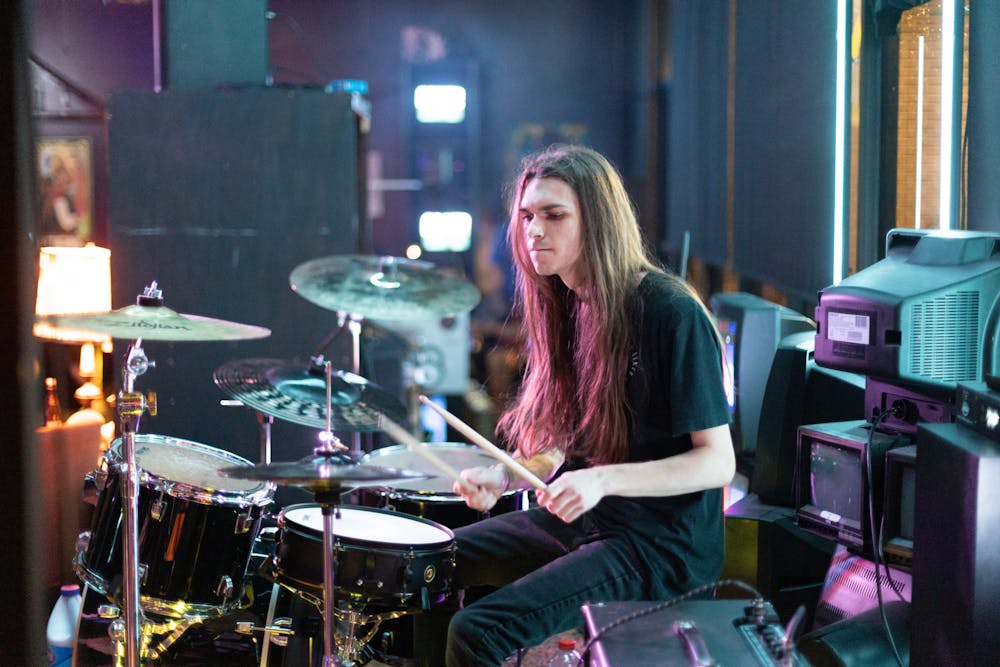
[
  {"x": 354, "y": 326},
  {"x": 329, "y": 501},
  {"x": 265, "y": 420},
  {"x": 130, "y": 406}
]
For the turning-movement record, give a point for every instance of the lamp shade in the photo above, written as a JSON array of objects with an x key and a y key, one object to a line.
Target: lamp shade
[{"x": 72, "y": 281}]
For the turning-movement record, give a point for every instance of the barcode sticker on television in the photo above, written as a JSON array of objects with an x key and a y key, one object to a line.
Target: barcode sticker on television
[{"x": 848, "y": 327}]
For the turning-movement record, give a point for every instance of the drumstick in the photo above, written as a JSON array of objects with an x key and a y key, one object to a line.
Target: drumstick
[
  {"x": 486, "y": 445},
  {"x": 400, "y": 434}
]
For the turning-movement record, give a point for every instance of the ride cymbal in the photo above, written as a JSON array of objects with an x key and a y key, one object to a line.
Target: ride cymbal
[
  {"x": 382, "y": 287},
  {"x": 297, "y": 393}
]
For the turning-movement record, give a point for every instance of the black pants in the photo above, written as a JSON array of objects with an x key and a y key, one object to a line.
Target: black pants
[{"x": 544, "y": 570}]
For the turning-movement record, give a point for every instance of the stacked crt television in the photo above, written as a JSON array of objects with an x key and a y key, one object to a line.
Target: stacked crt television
[
  {"x": 752, "y": 328},
  {"x": 798, "y": 391},
  {"x": 915, "y": 325}
]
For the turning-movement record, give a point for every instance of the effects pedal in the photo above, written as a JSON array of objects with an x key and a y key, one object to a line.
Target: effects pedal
[{"x": 694, "y": 632}]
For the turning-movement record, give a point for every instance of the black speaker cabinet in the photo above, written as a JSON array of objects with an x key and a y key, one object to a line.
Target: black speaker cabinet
[
  {"x": 217, "y": 196},
  {"x": 956, "y": 548}
]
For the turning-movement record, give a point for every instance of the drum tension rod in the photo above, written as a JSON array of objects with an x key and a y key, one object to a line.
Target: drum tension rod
[{"x": 248, "y": 628}]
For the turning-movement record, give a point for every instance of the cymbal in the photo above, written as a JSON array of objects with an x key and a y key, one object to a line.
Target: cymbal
[
  {"x": 157, "y": 323},
  {"x": 297, "y": 393},
  {"x": 322, "y": 471},
  {"x": 382, "y": 287}
]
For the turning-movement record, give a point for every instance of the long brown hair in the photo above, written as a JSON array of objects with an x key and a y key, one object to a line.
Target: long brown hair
[{"x": 573, "y": 391}]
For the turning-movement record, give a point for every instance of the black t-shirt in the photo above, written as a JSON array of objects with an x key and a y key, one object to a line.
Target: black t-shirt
[{"x": 674, "y": 386}]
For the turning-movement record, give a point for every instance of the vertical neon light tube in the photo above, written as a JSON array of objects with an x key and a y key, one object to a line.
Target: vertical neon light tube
[
  {"x": 840, "y": 143},
  {"x": 919, "y": 162},
  {"x": 947, "y": 106}
]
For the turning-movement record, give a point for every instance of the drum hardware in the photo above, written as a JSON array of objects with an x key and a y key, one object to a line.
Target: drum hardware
[
  {"x": 225, "y": 587},
  {"x": 156, "y": 511},
  {"x": 148, "y": 318},
  {"x": 281, "y": 629},
  {"x": 169, "y": 631}
]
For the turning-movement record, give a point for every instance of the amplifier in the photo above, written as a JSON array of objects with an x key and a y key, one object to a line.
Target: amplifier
[
  {"x": 694, "y": 632},
  {"x": 978, "y": 407}
]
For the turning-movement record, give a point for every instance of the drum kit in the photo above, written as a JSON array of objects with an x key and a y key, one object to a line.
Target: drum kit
[{"x": 176, "y": 522}]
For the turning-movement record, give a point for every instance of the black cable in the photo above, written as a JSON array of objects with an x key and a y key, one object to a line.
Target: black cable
[
  {"x": 628, "y": 618},
  {"x": 876, "y": 547}
]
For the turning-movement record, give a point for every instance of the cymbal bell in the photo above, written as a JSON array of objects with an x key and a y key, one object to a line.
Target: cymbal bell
[
  {"x": 151, "y": 320},
  {"x": 323, "y": 471},
  {"x": 297, "y": 393},
  {"x": 382, "y": 287}
]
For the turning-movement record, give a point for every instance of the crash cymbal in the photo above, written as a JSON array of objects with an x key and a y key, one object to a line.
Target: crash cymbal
[
  {"x": 323, "y": 471},
  {"x": 297, "y": 393},
  {"x": 148, "y": 318},
  {"x": 382, "y": 287}
]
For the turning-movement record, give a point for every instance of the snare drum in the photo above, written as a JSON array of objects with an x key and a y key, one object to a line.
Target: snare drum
[
  {"x": 196, "y": 528},
  {"x": 433, "y": 498},
  {"x": 380, "y": 557}
]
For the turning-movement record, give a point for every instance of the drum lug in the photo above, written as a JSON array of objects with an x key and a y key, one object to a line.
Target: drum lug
[
  {"x": 279, "y": 631},
  {"x": 243, "y": 523},
  {"x": 225, "y": 587},
  {"x": 156, "y": 510},
  {"x": 108, "y": 611},
  {"x": 93, "y": 485},
  {"x": 143, "y": 568},
  {"x": 83, "y": 542}
]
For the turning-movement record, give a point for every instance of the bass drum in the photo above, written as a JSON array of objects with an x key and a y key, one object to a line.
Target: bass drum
[
  {"x": 432, "y": 497},
  {"x": 197, "y": 528}
]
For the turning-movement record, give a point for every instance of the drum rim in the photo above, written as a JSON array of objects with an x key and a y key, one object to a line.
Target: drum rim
[
  {"x": 151, "y": 603},
  {"x": 308, "y": 531},
  {"x": 259, "y": 495}
]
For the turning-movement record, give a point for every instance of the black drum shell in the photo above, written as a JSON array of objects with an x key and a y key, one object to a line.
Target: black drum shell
[
  {"x": 375, "y": 571},
  {"x": 186, "y": 553}
]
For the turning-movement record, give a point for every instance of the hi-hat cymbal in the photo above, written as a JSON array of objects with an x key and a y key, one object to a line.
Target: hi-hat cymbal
[
  {"x": 157, "y": 323},
  {"x": 382, "y": 287},
  {"x": 297, "y": 393},
  {"x": 321, "y": 472}
]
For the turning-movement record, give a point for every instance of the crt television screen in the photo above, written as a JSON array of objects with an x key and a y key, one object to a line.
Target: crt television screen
[{"x": 835, "y": 475}]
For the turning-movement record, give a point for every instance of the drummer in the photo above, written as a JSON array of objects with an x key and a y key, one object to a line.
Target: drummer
[{"x": 622, "y": 410}]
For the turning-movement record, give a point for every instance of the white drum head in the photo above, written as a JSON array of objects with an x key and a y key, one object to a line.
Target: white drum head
[
  {"x": 188, "y": 465},
  {"x": 368, "y": 525}
]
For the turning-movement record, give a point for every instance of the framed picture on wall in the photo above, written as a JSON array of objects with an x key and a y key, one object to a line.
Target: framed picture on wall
[{"x": 65, "y": 176}]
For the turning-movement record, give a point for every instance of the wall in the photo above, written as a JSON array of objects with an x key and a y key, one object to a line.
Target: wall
[{"x": 543, "y": 64}]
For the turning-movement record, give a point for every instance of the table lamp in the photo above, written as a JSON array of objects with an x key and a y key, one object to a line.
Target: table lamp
[{"x": 71, "y": 281}]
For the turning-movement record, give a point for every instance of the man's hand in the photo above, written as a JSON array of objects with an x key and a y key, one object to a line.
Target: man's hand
[
  {"x": 573, "y": 493},
  {"x": 481, "y": 487}
]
